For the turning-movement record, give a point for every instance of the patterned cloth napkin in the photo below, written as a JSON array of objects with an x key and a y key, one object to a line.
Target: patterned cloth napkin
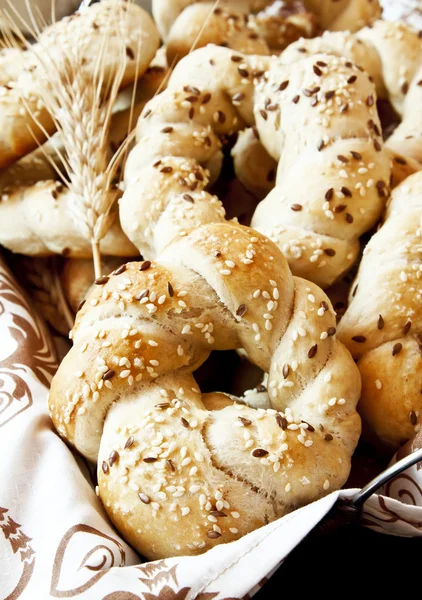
[{"x": 55, "y": 539}]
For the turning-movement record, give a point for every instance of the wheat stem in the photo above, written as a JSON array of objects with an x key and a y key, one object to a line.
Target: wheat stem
[{"x": 96, "y": 258}]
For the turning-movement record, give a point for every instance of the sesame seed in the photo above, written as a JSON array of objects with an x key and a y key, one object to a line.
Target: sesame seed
[
  {"x": 101, "y": 280},
  {"x": 129, "y": 442},
  {"x": 396, "y": 349},
  {"x": 213, "y": 535},
  {"x": 360, "y": 339},
  {"x": 259, "y": 452},
  {"x": 144, "y": 498},
  {"x": 109, "y": 374},
  {"x": 412, "y": 418},
  {"x": 242, "y": 309}
]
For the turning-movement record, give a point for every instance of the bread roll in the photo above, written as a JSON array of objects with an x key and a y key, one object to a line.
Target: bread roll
[{"x": 179, "y": 473}]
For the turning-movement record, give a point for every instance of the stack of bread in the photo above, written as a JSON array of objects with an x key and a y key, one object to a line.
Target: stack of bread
[{"x": 113, "y": 151}]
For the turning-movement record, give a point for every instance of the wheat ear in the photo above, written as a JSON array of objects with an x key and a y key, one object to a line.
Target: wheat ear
[{"x": 81, "y": 108}]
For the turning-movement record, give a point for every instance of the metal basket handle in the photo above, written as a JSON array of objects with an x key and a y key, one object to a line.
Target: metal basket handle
[{"x": 366, "y": 492}]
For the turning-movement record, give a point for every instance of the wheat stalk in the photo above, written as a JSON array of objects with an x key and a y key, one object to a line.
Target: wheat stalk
[{"x": 81, "y": 108}]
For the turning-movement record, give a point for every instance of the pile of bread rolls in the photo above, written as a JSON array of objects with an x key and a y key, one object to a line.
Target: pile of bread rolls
[{"x": 287, "y": 92}]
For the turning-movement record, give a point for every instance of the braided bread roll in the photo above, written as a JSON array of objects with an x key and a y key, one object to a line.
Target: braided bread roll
[
  {"x": 318, "y": 118},
  {"x": 21, "y": 94},
  {"x": 179, "y": 472},
  {"x": 382, "y": 326},
  {"x": 392, "y": 55},
  {"x": 210, "y": 94}
]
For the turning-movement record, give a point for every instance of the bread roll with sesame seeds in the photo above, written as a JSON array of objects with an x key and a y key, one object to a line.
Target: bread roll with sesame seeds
[
  {"x": 383, "y": 325},
  {"x": 21, "y": 96},
  {"x": 179, "y": 473},
  {"x": 209, "y": 97},
  {"x": 41, "y": 219},
  {"x": 340, "y": 43},
  {"x": 399, "y": 47},
  {"x": 223, "y": 27},
  {"x": 166, "y": 12},
  {"x": 332, "y": 136},
  {"x": 236, "y": 29},
  {"x": 77, "y": 277},
  {"x": 317, "y": 117},
  {"x": 392, "y": 55},
  {"x": 340, "y": 15}
]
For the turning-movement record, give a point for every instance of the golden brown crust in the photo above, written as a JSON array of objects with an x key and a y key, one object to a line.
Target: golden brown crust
[
  {"x": 177, "y": 476},
  {"x": 382, "y": 325}
]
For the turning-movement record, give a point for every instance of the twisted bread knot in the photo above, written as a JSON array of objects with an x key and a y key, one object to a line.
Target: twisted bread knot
[
  {"x": 209, "y": 97},
  {"x": 180, "y": 130},
  {"x": 383, "y": 325},
  {"x": 318, "y": 118},
  {"x": 391, "y": 53},
  {"x": 178, "y": 472},
  {"x": 21, "y": 85}
]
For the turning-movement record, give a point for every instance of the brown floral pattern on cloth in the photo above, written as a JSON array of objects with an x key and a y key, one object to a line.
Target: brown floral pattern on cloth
[
  {"x": 85, "y": 571},
  {"x": 20, "y": 549},
  {"x": 28, "y": 351},
  {"x": 407, "y": 487},
  {"x": 386, "y": 514}
]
